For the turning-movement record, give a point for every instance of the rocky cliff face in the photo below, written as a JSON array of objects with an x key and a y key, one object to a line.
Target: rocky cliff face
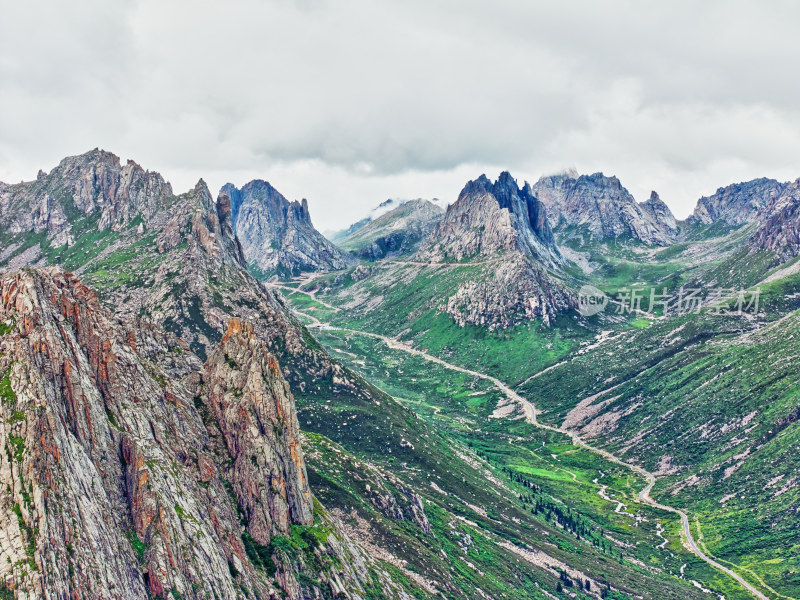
[
  {"x": 249, "y": 398},
  {"x": 116, "y": 481},
  {"x": 738, "y": 203},
  {"x": 93, "y": 185},
  {"x": 660, "y": 213},
  {"x": 489, "y": 218},
  {"x": 399, "y": 231},
  {"x": 132, "y": 471},
  {"x": 604, "y": 208},
  {"x": 779, "y": 223},
  {"x": 180, "y": 268},
  {"x": 499, "y": 223},
  {"x": 277, "y": 236}
]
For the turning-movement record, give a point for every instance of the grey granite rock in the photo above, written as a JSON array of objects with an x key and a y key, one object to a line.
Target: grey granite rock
[
  {"x": 604, "y": 208},
  {"x": 277, "y": 236},
  {"x": 491, "y": 217},
  {"x": 738, "y": 203}
]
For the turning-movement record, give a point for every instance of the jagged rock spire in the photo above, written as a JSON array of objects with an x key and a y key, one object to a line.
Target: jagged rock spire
[{"x": 277, "y": 236}]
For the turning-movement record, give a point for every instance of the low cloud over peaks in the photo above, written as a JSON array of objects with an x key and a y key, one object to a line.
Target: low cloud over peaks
[{"x": 350, "y": 102}]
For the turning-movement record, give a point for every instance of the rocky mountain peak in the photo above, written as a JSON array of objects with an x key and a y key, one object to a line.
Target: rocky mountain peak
[
  {"x": 202, "y": 186},
  {"x": 738, "y": 203},
  {"x": 660, "y": 213},
  {"x": 94, "y": 186},
  {"x": 234, "y": 194},
  {"x": 491, "y": 217},
  {"x": 602, "y": 207},
  {"x": 277, "y": 236},
  {"x": 499, "y": 222},
  {"x": 779, "y": 223},
  {"x": 197, "y": 220}
]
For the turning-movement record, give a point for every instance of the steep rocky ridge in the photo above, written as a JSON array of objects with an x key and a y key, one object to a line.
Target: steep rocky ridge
[
  {"x": 127, "y": 472},
  {"x": 779, "y": 223},
  {"x": 94, "y": 186},
  {"x": 489, "y": 218},
  {"x": 238, "y": 377},
  {"x": 277, "y": 236},
  {"x": 182, "y": 267},
  {"x": 399, "y": 231},
  {"x": 604, "y": 208},
  {"x": 502, "y": 224},
  {"x": 738, "y": 203},
  {"x": 176, "y": 262}
]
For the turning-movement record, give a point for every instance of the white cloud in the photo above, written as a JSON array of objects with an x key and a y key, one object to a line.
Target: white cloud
[{"x": 353, "y": 101}]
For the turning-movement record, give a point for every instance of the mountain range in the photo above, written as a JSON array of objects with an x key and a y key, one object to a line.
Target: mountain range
[{"x": 205, "y": 398}]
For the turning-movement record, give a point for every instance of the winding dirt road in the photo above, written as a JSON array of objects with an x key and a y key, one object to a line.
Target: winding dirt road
[{"x": 531, "y": 416}]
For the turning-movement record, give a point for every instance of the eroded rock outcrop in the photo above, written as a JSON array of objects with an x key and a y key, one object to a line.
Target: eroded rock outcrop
[
  {"x": 129, "y": 470},
  {"x": 779, "y": 224},
  {"x": 513, "y": 291},
  {"x": 277, "y": 236},
  {"x": 602, "y": 207},
  {"x": 738, "y": 203}
]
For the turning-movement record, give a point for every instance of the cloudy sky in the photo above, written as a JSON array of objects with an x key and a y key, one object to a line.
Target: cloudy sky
[{"x": 349, "y": 102}]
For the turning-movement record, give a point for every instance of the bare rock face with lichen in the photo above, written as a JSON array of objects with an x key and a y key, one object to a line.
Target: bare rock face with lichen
[
  {"x": 277, "y": 236},
  {"x": 506, "y": 227},
  {"x": 131, "y": 471},
  {"x": 603, "y": 208},
  {"x": 152, "y": 440}
]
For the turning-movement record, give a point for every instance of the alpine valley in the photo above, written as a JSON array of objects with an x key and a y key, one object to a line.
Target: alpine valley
[{"x": 203, "y": 397}]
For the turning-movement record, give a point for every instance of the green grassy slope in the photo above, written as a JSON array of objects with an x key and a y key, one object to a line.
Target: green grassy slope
[
  {"x": 496, "y": 480},
  {"x": 707, "y": 402}
]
